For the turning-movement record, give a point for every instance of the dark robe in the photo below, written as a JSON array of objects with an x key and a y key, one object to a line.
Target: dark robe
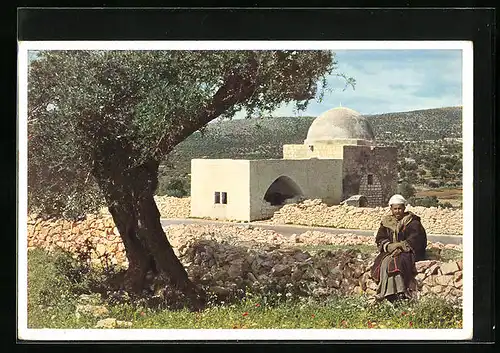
[{"x": 412, "y": 233}]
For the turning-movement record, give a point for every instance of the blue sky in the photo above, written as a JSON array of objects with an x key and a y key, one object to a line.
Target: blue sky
[{"x": 392, "y": 81}]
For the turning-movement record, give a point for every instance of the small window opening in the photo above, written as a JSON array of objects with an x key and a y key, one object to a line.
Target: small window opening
[
  {"x": 311, "y": 148},
  {"x": 217, "y": 197},
  {"x": 370, "y": 179},
  {"x": 224, "y": 198}
]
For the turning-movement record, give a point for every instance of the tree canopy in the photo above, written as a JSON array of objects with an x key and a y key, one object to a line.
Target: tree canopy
[
  {"x": 100, "y": 123},
  {"x": 128, "y": 107}
]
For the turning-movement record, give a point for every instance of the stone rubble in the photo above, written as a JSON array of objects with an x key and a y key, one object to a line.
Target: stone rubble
[
  {"x": 112, "y": 323},
  {"x": 292, "y": 270},
  {"x": 173, "y": 207},
  {"x": 316, "y": 213},
  {"x": 230, "y": 259}
]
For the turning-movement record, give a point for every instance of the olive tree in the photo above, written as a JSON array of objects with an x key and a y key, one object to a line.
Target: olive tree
[{"x": 100, "y": 123}]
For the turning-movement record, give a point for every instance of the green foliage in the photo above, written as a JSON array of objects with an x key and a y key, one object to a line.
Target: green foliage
[
  {"x": 175, "y": 187},
  {"x": 97, "y": 114},
  {"x": 419, "y": 125},
  {"x": 450, "y": 254},
  {"x": 59, "y": 274},
  {"x": 365, "y": 249},
  {"x": 406, "y": 190},
  {"x": 446, "y": 205},
  {"x": 47, "y": 284},
  {"x": 427, "y": 201}
]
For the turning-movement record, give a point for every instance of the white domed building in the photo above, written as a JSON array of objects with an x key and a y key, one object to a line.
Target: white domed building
[{"x": 337, "y": 160}]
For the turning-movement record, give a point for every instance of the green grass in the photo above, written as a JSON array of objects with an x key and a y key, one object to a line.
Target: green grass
[
  {"x": 368, "y": 249},
  {"x": 444, "y": 255},
  {"x": 54, "y": 285},
  {"x": 352, "y": 312}
]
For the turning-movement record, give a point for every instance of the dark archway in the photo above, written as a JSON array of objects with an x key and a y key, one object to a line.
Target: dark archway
[{"x": 281, "y": 190}]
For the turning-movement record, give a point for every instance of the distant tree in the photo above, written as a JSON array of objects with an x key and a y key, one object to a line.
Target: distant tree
[
  {"x": 175, "y": 187},
  {"x": 428, "y": 201},
  {"x": 445, "y": 205},
  {"x": 100, "y": 122},
  {"x": 406, "y": 190}
]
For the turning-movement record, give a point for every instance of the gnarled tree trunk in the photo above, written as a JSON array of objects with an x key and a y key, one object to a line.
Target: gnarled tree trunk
[{"x": 130, "y": 198}]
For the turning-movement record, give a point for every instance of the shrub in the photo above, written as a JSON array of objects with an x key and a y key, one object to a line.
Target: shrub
[
  {"x": 445, "y": 205},
  {"x": 436, "y": 312},
  {"x": 406, "y": 190},
  {"x": 175, "y": 187},
  {"x": 46, "y": 285},
  {"x": 428, "y": 201}
]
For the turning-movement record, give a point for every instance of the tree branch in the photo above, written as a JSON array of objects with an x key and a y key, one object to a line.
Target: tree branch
[{"x": 237, "y": 88}]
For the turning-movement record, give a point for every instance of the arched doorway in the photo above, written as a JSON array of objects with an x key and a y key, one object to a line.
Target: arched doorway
[{"x": 282, "y": 189}]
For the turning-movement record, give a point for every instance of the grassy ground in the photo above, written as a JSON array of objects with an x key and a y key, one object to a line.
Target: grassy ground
[
  {"x": 431, "y": 254},
  {"x": 55, "y": 282},
  {"x": 451, "y": 195}
]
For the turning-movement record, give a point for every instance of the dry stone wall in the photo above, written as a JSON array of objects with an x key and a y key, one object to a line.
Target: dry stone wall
[
  {"x": 169, "y": 207},
  {"x": 96, "y": 234},
  {"x": 228, "y": 258},
  {"x": 316, "y": 213},
  {"x": 173, "y": 207}
]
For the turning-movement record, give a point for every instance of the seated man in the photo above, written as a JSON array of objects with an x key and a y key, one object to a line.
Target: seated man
[{"x": 401, "y": 240}]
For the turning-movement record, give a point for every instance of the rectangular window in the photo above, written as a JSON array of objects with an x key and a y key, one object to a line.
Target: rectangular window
[
  {"x": 370, "y": 179},
  {"x": 224, "y": 198},
  {"x": 217, "y": 197}
]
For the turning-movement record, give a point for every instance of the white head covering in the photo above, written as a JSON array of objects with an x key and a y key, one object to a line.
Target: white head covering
[{"x": 397, "y": 200}]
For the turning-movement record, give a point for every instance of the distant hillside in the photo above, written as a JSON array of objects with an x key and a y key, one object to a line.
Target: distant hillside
[
  {"x": 264, "y": 138},
  {"x": 418, "y": 125}
]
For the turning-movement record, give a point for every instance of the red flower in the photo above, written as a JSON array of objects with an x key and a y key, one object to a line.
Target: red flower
[
  {"x": 411, "y": 323},
  {"x": 344, "y": 323},
  {"x": 257, "y": 305},
  {"x": 370, "y": 325},
  {"x": 313, "y": 316},
  {"x": 404, "y": 313},
  {"x": 143, "y": 313},
  {"x": 245, "y": 313}
]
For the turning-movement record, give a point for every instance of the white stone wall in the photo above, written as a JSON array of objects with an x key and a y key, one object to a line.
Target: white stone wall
[
  {"x": 220, "y": 175},
  {"x": 313, "y": 151},
  {"x": 316, "y": 178}
]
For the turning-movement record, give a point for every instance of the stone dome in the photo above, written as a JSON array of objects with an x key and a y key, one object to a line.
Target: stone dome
[{"x": 339, "y": 123}]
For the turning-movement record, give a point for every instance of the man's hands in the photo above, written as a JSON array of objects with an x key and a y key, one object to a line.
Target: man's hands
[
  {"x": 393, "y": 246},
  {"x": 398, "y": 246}
]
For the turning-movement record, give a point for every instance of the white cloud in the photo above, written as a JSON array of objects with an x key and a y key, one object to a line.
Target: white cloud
[{"x": 391, "y": 81}]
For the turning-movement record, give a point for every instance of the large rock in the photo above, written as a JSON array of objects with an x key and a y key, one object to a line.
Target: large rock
[
  {"x": 280, "y": 270},
  {"x": 444, "y": 280},
  {"x": 112, "y": 323},
  {"x": 449, "y": 268},
  {"x": 93, "y": 310},
  {"x": 422, "y": 266}
]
